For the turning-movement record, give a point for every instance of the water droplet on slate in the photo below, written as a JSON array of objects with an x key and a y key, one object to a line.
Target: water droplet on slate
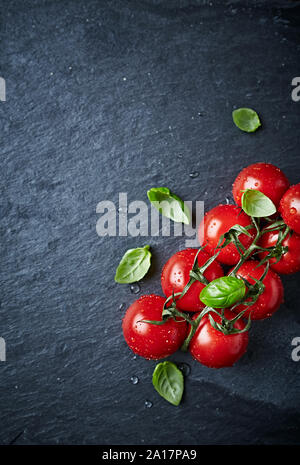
[
  {"x": 184, "y": 368},
  {"x": 193, "y": 175},
  {"x": 135, "y": 288},
  {"x": 134, "y": 379},
  {"x": 122, "y": 307},
  {"x": 148, "y": 404},
  {"x": 122, "y": 211}
]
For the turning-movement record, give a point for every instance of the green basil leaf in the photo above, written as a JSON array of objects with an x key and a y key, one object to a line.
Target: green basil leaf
[
  {"x": 257, "y": 204},
  {"x": 168, "y": 381},
  {"x": 223, "y": 292},
  {"x": 134, "y": 265},
  {"x": 169, "y": 204},
  {"x": 246, "y": 119}
]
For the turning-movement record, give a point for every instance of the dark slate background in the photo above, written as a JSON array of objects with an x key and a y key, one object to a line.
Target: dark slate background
[{"x": 119, "y": 96}]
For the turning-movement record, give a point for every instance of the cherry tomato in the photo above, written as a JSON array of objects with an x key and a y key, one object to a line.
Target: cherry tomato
[
  {"x": 215, "y": 349},
  {"x": 176, "y": 274},
  {"x": 217, "y": 222},
  {"x": 148, "y": 340},
  {"x": 263, "y": 177},
  {"x": 290, "y": 261},
  {"x": 290, "y": 208},
  {"x": 272, "y": 297}
]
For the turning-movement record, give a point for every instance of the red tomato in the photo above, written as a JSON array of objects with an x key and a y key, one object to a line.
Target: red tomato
[
  {"x": 290, "y": 261},
  {"x": 217, "y": 222},
  {"x": 290, "y": 208},
  {"x": 175, "y": 275},
  {"x": 215, "y": 349},
  {"x": 263, "y": 177},
  {"x": 148, "y": 340},
  {"x": 272, "y": 297}
]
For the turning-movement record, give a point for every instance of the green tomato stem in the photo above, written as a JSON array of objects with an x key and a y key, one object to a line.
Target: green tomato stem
[
  {"x": 244, "y": 255},
  {"x": 243, "y": 258}
]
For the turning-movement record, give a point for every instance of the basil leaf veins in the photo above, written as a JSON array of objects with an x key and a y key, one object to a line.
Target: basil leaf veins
[
  {"x": 257, "y": 204},
  {"x": 246, "y": 119},
  {"x": 168, "y": 381},
  {"x": 134, "y": 265},
  {"x": 169, "y": 204},
  {"x": 223, "y": 292}
]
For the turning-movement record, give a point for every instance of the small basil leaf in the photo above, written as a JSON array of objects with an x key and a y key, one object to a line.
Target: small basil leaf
[
  {"x": 257, "y": 204},
  {"x": 169, "y": 204},
  {"x": 246, "y": 119},
  {"x": 223, "y": 292},
  {"x": 134, "y": 265},
  {"x": 168, "y": 381}
]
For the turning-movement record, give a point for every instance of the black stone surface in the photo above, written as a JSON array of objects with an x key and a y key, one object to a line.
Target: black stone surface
[{"x": 119, "y": 96}]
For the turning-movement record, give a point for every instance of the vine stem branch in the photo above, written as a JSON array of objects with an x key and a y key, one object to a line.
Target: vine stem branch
[{"x": 243, "y": 257}]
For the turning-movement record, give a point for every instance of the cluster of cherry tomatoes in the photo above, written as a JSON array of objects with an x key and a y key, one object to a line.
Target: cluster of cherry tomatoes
[{"x": 209, "y": 345}]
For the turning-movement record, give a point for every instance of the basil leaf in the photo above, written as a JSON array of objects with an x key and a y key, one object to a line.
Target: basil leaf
[
  {"x": 223, "y": 292},
  {"x": 134, "y": 265},
  {"x": 246, "y": 119},
  {"x": 169, "y": 204},
  {"x": 257, "y": 204},
  {"x": 168, "y": 381}
]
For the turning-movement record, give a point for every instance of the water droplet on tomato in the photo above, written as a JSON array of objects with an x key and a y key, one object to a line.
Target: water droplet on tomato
[{"x": 293, "y": 211}]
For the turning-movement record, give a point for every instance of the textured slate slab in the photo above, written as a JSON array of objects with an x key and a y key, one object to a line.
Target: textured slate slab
[{"x": 108, "y": 97}]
